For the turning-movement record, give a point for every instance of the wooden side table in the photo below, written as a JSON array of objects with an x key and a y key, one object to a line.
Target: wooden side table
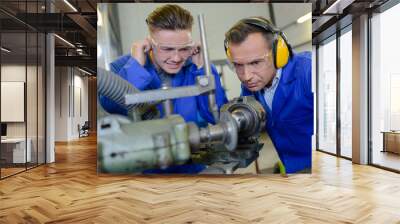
[{"x": 391, "y": 141}]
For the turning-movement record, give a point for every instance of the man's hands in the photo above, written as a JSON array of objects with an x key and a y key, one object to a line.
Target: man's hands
[
  {"x": 139, "y": 49},
  {"x": 197, "y": 55}
]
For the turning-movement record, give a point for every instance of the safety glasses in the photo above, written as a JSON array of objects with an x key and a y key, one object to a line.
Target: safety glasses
[
  {"x": 183, "y": 50},
  {"x": 255, "y": 64}
]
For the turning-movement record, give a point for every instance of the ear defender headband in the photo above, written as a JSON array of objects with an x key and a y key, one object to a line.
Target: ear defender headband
[{"x": 281, "y": 49}]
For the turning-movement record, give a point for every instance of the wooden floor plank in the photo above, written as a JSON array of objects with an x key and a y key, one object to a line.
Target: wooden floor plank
[{"x": 70, "y": 191}]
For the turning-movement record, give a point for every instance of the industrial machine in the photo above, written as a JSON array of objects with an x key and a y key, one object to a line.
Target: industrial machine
[
  {"x": 140, "y": 141},
  {"x": 134, "y": 143}
]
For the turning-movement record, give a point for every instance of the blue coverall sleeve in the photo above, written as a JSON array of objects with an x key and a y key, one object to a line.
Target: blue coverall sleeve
[
  {"x": 136, "y": 74},
  {"x": 307, "y": 71},
  {"x": 118, "y": 64},
  {"x": 307, "y": 65}
]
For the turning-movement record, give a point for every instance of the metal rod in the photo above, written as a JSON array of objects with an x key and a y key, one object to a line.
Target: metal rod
[
  {"x": 207, "y": 69},
  {"x": 204, "y": 49},
  {"x": 167, "y": 104},
  {"x": 163, "y": 94},
  {"x": 168, "y": 108}
]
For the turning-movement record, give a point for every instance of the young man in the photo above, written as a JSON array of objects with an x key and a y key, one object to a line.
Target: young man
[
  {"x": 281, "y": 81},
  {"x": 170, "y": 55}
]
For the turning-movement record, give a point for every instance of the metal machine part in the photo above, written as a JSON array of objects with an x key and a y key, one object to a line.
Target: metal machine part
[
  {"x": 239, "y": 144},
  {"x": 221, "y": 161},
  {"x": 211, "y": 96},
  {"x": 249, "y": 115},
  {"x": 244, "y": 117},
  {"x": 167, "y": 104},
  {"x": 132, "y": 147},
  {"x": 203, "y": 85},
  {"x": 124, "y": 146},
  {"x": 225, "y": 133}
]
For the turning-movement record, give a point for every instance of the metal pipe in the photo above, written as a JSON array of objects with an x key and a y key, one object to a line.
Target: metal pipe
[
  {"x": 207, "y": 69},
  {"x": 168, "y": 108},
  {"x": 213, "y": 134},
  {"x": 115, "y": 88}
]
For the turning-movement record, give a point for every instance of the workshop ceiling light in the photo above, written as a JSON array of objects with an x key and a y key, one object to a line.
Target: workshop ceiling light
[
  {"x": 99, "y": 19},
  {"x": 70, "y": 5},
  {"x": 5, "y": 49},
  {"x": 304, "y": 18},
  {"x": 332, "y": 7},
  {"x": 86, "y": 72},
  {"x": 65, "y": 41},
  {"x": 337, "y": 7}
]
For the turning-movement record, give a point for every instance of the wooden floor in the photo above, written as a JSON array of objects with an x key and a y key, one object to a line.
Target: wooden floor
[
  {"x": 10, "y": 171},
  {"x": 70, "y": 191}
]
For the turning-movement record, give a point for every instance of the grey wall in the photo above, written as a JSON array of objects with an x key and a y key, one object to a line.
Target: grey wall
[
  {"x": 219, "y": 17},
  {"x": 71, "y": 95}
]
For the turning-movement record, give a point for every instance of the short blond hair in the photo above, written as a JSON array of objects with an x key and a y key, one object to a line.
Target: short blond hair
[{"x": 170, "y": 17}]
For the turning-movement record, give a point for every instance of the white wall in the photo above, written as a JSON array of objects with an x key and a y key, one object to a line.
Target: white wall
[
  {"x": 61, "y": 103},
  {"x": 71, "y": 94},
  {"x": 80, "y": 110},
  {"x": 304, "y": 47},
  {"x": 286, "y": 15},
  {"x": 13, "y": 73},
  {"x": 230, "y": 82}
]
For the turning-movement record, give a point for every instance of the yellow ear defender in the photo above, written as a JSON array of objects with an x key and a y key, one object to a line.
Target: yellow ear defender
[
  {"x": 228, "y": 54},
  {"x": 151, "y": 54},
  {"x": 281, "y": 53},
  {"x": 281, "y": 49}
]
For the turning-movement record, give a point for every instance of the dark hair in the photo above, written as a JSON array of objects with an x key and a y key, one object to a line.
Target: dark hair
[
  {"x": 240, "y": 31},
  {"x": 170, "y": 17}
]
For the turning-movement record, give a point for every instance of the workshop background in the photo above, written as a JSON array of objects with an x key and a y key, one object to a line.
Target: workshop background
[{"x": 120, "y": 24}]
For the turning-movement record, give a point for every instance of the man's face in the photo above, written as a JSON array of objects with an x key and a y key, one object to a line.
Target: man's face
[
  {"x": 253, "y": 63},
  {"x": 171, "y": 49}
]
